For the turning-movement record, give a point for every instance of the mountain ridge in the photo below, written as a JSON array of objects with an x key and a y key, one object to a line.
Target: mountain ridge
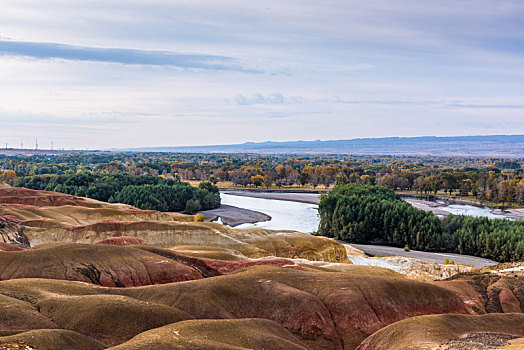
[{"x": 507, "y": 146}]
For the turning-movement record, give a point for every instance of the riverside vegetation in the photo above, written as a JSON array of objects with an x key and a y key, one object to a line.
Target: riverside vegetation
[
  {"x": 495, "y": 181},
  {"x": 142, "y": 191},
  {"x": 360, "y": 213}
]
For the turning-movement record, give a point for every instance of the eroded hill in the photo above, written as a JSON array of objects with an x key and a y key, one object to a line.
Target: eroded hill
[
  {"x": 81, "y": 274},
  {"x": 55, "y": 217}
]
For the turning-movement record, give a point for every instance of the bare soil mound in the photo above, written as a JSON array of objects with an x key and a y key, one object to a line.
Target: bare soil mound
[
  {"x": 324, "y": 310},
  {"x": 8, "y": 247},
  {"x": 109, "y": 319},
  {"x": 117, "y": 266},
  {"x": 216, "y": 334},
  {"x": 104, "y": 265},
  {"x": 162, "y": 281},
  {"x": 122, "y": 241},
  {"x": 447, "y": 331},
  {"x": 489, "y": 292},
  {"x": 19, "y": 315},
  {"x": 51, "y": 217},
  {"x": 9, "y": 195},
  {"x": 214, "y": 267},
  {"x": 12, "y": 233},
  {"x": 49, "y": 339},
  {"x": 209, "y": 252}
]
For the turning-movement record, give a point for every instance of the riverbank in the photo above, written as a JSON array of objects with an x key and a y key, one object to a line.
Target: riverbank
[
  {"x": 234, "y": 216},
  {"x": 469, "y": 200},
  {"x": 513, "y": 213},
  {"x": 427, "y": 206},
  {"x": 449, "y": 199},
  {"x": 443, "y": 209}
]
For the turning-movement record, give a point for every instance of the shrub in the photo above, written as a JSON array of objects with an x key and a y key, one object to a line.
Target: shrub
[
  {"x": 199, "y": 218},
  {"x": 192, "y": 206}
]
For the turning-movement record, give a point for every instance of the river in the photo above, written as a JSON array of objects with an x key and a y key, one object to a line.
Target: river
[
  {"x": 304, "y": 217},
  {"x": 443, "y": 208},
  {"x": 285, "y": 215},
  {"x": 469, "y": 210},
  {"x": 291, "y": 215}
]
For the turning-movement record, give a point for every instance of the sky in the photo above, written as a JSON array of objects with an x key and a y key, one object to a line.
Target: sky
[{"x": 109, "y": 74}]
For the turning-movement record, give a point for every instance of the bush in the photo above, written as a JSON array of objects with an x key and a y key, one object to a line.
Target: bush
[
  {"x": 199, "y": 218},
  {"x": 406, "y": 249},
  {"x": 192, "y": 206}
]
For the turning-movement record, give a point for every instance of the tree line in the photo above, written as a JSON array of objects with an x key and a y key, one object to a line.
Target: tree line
[
  {"x": 368, "y": 214},
  {"x": 498, "y": 181},
  {"x": 143, "y": 191}
]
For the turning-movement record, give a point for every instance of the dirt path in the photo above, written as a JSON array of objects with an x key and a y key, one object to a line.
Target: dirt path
[{"x": 428, "y": 256}]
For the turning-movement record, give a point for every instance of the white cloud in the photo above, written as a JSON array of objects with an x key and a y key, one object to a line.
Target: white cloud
[{"x": 260, "y": 70}]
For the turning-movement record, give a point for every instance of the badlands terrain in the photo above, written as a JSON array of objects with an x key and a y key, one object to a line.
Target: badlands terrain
[{"x": 81, "y": 274}]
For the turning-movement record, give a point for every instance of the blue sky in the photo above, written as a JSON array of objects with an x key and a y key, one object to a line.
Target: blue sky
[{"x": 113, "y": 73}]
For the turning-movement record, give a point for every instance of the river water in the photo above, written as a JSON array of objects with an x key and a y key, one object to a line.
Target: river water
[
  {"x": 285, "y": 215},
  {"x": 469, "y": 210}
]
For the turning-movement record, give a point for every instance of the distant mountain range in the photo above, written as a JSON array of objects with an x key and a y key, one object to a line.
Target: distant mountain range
[{"x": 507, "y": 146}]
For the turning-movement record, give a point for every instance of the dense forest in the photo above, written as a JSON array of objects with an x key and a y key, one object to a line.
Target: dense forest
[
  {"x": 363, "y": 213},
  {"x": 142, "y": 191},
  {"x": 497, "y": 181}
]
